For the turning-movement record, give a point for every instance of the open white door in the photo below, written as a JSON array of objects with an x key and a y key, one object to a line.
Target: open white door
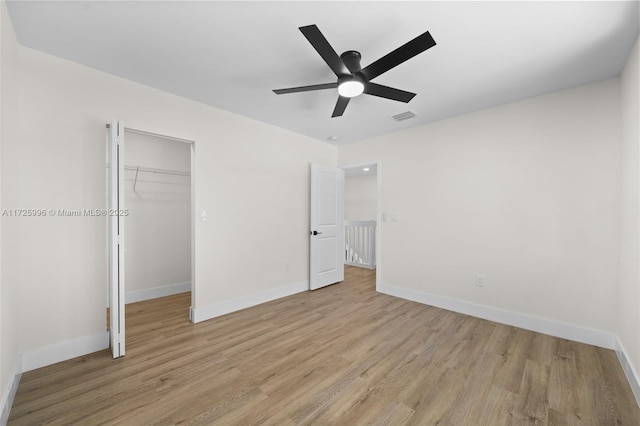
[
  {"x": 327, "y": 226},
  {"x": 116, "y": 237}
]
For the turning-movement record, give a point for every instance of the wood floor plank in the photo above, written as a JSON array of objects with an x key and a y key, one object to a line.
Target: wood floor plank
[
  {"x": 498, "y": 409},
  {"x": 469, "y": 402},
  {"x": 342, "y": 355},
  {"x": 532, "y": 404},
  {"x": 513, "y": 351},
  {"x": 373, "y": 410}
]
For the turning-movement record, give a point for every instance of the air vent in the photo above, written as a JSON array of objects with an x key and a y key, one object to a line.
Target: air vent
[{"x": 404, "y": 116}]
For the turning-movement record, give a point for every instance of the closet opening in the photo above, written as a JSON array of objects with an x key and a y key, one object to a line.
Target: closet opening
[
  {"x": 157, "y": 185},
  {"x": 156, "y": 232}
]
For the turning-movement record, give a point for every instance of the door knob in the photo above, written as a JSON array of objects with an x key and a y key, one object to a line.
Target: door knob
[{"x": 316, "y": 233}]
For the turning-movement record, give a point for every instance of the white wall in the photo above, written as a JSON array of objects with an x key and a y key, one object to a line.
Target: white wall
[
  {"x": 9, "y": 303},
  {"x": 252, "y": 178},
  {"x": 628, "y": 320},
  {"x": 360, "y": 197},
  {"x": 158, "y": 224},
  {"x": 525, "y": 194}
]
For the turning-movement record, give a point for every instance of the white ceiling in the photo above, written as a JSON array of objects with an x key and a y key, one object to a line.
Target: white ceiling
[{"x": 232, "y": 54}]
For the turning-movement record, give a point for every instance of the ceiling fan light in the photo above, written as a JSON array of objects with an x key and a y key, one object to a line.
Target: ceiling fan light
[{"x": 350, "y": 88}]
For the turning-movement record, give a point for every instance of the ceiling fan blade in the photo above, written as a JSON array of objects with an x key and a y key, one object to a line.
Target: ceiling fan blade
[
  {"x": 306, "y": 88},
  {"x": 322, "y": 46},
  {"x": 341, "y": 105},
  {"x": 398, "y": 56},
  {"x": 388, "y": 92}
]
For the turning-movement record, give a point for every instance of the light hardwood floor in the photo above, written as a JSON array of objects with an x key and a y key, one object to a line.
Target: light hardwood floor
[{"x": 339, "y": 355}]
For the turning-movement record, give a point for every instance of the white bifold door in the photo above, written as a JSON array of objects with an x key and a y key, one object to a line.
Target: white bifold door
[
  {"x": 327, "y": 226},
  {"x": 115, "y": 206}
]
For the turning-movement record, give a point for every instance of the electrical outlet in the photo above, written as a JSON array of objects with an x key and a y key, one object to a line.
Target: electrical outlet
[
  {"x": 479, "y": 280},
  {"x": 286, "y": 266}
]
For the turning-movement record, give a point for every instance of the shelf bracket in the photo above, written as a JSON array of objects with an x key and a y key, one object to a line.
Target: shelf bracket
[{"x": 135, "y": 180}]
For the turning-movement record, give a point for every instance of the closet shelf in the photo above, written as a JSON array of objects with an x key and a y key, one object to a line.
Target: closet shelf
[
  {"x": 139, "y": 169},
  {"x": 161, "y": 171}
]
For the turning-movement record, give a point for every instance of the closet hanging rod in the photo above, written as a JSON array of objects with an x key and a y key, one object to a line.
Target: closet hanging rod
[
  {"x": 160, "y": 171},
  {"x": 157, "y": 135}
]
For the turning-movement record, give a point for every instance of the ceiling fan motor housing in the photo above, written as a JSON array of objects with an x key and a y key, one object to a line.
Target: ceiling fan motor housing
[{"x": 351, "y": 60}]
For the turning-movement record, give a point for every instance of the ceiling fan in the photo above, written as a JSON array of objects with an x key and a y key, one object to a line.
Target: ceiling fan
[{"x": 354, "y": 80}]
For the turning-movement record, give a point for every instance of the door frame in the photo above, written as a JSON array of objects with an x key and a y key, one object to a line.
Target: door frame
[
  {"x": 378, "y": 164},
  {"x": 192, "y": 143}
]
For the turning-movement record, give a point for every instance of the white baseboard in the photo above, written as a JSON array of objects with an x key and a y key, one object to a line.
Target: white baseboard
[
  {"x": 225, "y": 307},
  {"x": 10, "y": 393},
  {"x": 560, "y": 329},
  {"x": 154, "y": 293},
  {"x": 360, "y": 265},
  {"x": 63, "y": 351},
  {"x": 629, "y": 371}
]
